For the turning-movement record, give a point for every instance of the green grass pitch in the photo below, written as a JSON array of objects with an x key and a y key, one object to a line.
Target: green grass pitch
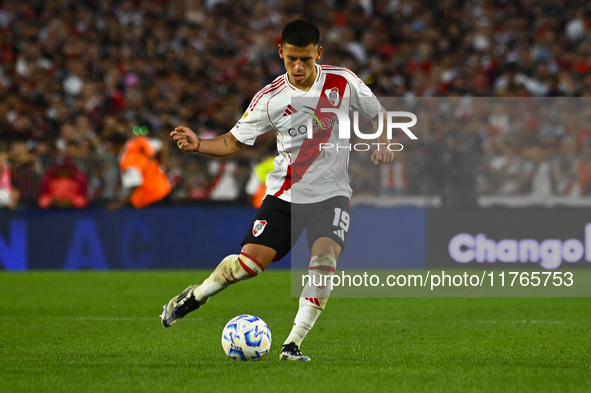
[{"x": 100, "y": 332}]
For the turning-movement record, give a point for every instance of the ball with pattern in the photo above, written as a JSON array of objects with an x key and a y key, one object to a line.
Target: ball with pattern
[{"x": 246, "y": 337}]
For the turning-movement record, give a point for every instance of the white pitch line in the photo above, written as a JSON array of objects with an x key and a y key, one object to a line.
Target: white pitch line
[
  {"x": 409, "y": 321},
  {"x": 368, "y": 320},
  {"x": 332, "y": 320},
  {"x": 85, "y": 318},
  {"x": 521, "y": 321}
]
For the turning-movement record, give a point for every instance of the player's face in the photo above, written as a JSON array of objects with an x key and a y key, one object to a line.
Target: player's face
[{"x": 299, "y": 63}]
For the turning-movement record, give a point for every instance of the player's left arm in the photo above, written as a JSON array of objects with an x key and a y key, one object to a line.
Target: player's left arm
[{"x": 381, "y": 154}]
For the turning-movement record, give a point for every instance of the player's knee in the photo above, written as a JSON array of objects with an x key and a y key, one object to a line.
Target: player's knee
[
  {"x": 328, "y": 246},
  {"x": 249, "y": 264},
  {"x": 263, "y": 255},
  {"x": 323, "y": 263}
]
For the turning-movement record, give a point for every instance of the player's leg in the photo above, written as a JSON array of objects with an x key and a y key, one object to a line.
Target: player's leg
[
  {"x": 259, "y": 250},
  {"x": 327, "y": 231},
  {"x": 252, "y": 261},
  {"x": 314, "y": 297}
]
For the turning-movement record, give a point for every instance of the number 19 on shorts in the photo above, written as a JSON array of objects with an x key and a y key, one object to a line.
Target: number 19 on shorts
[{"x": 341, "y": 221}]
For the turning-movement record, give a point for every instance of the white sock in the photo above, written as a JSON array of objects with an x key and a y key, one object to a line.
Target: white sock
[
  {"x": 231, "y": 269},
  {"x": 313, "y": 299},
  {"x": 304, "y": 320}
]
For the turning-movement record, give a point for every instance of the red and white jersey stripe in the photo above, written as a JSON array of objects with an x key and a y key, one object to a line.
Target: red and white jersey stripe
[{"x": 303, "y": 172}]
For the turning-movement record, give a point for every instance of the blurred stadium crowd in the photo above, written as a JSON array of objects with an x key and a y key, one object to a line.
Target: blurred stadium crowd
[{"x": 74, "y": 72}]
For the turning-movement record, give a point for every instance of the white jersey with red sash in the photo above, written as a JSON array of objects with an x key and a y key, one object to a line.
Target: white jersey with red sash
[{"x": 305, "y": 173}]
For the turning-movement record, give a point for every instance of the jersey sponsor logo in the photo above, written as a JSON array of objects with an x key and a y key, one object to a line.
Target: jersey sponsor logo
[
  {"x": 322, "y": 122},
  {"x": 258, "y": 227},
  {"x": 333, "y": 96},
  {"x": 290, "y": 110}
]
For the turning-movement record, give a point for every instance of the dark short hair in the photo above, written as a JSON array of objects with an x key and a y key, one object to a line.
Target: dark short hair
[{"x": 300, "y": 33}]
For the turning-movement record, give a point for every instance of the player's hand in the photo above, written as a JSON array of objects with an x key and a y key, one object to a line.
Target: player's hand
[
  {"x": 382, "y": 155},
  {"x": 185, "y": 138}
]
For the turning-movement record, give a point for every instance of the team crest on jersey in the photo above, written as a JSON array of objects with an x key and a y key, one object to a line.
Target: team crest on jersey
[
  {"x": 258, "y": 227},
  {"x": 333, "y": 95}
]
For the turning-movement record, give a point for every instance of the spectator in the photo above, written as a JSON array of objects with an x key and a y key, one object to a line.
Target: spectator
[
  {"x": 73, "y": 84},
  {"x": 565, "y": 168},
  {"x": 508, "y": 169},
  {"x": 394, "y": 175},
  {"x": 142, "y": 178},
  {"x": 24, "y": 169},
  {"x": 9, "y": 193},
  {"x": 63, "y": 186},
  {"x": 541, "y": 178},
  {"x": 462, "y": 164},
  {"x": 255, "y": 187}
]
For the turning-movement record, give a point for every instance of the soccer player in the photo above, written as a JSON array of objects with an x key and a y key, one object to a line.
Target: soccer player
[{"x": 309, "y": 187}]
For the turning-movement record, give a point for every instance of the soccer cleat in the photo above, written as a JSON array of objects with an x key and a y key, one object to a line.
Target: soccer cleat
[
  {"x": 179, "y": 306},
  {"x": 292, "y": 352}
]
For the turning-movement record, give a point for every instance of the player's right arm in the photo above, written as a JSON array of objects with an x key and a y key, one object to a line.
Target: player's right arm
[
  {"x": 253, "y": 123},
  {"x": 220, "y": 146}
]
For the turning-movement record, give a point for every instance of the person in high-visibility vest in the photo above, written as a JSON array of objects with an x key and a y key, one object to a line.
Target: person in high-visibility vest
[
  {"x": 142, "y": 178},
  {"x": 256, "y": 187}
]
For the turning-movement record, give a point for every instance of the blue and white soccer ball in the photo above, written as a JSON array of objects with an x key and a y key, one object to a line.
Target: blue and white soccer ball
[{"x": 246, "y": 337}]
